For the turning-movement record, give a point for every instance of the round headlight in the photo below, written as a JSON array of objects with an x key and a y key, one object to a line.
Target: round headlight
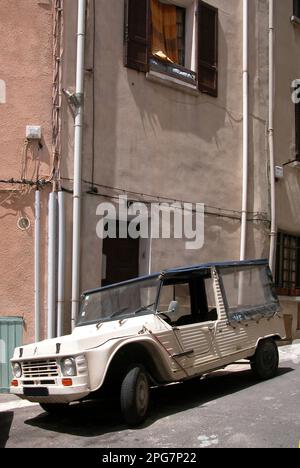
[
  {"x": 68, "y": 367},
  {"x": 17, "y": 370}
]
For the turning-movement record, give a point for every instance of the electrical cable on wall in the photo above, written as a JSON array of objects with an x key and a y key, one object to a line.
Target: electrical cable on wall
[{"x": 150, "y": 199}]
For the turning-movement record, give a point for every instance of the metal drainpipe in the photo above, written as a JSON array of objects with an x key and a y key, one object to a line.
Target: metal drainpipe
[
  {"x": 245, "y": 130},
  {"x": 37, "y": 266},
  {"x": 52, "y": 264},
  {"x": 273, "y": 234},
  {"x": 61, "y": 263},
  {"x": 78, "y": 160}
]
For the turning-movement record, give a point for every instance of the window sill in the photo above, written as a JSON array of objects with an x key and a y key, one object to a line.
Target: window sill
[
  {"x": 171, "y": 82},
  {"x": 289, "y": 298},
  {"x": 295, "y": 20}
]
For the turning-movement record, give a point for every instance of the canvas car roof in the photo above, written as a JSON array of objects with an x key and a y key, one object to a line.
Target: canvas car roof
[{"x": 178, "y": 273}]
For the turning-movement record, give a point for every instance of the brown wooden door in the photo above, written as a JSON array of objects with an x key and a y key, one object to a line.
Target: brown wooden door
[{"x": 122, "y": 260}]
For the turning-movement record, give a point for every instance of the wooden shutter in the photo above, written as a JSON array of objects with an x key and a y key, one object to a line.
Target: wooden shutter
[
  {"x": 296, "y": 11},
  {"x": 137, "y": 19},
  {"x": 208, "y": 25}
]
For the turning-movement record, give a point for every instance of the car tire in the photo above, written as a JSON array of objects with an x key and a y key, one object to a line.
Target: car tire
[
  {"x": 265, "y": 362},
  {"x": 135, "y": 396},
  {"x": 55, "y": 409}
]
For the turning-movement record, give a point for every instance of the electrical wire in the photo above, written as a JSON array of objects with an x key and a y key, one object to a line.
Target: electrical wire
[
  {"x": 24, "y": 182},
  {"x": 235, "y": 215},
  {"x": 154, "y": 197}
]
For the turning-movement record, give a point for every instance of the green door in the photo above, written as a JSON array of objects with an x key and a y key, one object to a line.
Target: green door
[{"x": 11, "y": 336}]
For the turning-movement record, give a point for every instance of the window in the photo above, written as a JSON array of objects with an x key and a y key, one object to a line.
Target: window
[
  {"x": 249, "y": 293},
  {"x": 288, "y": 265},
  {"x": 196, "y": 302},
  {"x": 212, "y": 312},
  {"x": 119, "y": 302},
  {"x": 167, "y": 32},
  {"x": 159, "y": 37},
  {"x": 179, "y": 293},
  {"x": 296, "y": 9}
]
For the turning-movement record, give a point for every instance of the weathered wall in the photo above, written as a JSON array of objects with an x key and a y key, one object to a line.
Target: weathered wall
[
  {"x": 155, "y": 140},
  {"x": 26, "y": 68},
  {"x": 149, "y": 139},
  {"x": 287, "y": 62}
]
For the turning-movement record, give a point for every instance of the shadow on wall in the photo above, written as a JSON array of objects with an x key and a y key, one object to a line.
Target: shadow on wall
[
  {"x": 258, "y": 192},
  {"x": 15, "y": 204},
  {"x": 102, "y": 99},
  {"x": 46, "y": 4},
  {"x": 163, "y": 108},
  {"x": 6, "y": 420},
  {"x": 221, "y": 243}
]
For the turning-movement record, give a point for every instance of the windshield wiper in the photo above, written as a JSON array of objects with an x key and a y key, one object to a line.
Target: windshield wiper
[
  {"x": 144, "y": 308},
  {"x": 122, "y": 313},
  {"x": 108, "y": 319}
]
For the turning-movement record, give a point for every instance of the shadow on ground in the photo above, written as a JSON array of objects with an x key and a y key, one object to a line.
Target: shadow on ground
[
  {"x": 94, "y": 419},
  {"x": 6, "y": 420}
]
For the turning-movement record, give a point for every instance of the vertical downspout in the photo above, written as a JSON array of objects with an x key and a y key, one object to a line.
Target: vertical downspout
[
  {"x": 61, "y": 263},
  {"x": 78, "y": 160},
  {"x": 52, "y": 265},
  {"x": 273, "y": 234},
  {"x": 245, "y": 131},
  {"x": 37, "y": 266}
]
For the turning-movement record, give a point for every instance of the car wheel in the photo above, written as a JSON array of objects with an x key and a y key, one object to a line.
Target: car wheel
[
  {"x": 266, "y": 360},
  {"x": 55, "y": 409},
  {"x": 135, "y": 395}
]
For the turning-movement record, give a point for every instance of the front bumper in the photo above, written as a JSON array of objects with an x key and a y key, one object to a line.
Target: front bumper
[
  {"x": 42, "y": 381},
  {"x": 56, "y": 393}
]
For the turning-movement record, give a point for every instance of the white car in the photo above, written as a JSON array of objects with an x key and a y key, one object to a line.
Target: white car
[{"x": 168, "y": 327}]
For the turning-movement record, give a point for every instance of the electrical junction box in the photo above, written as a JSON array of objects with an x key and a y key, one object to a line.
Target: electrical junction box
[
  {"x": 279, "y": 172},
  {"x": 33, "y": 132}
]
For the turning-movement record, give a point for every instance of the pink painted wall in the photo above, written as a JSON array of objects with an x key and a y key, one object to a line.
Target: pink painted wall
[{"x": 26, "y": 70}]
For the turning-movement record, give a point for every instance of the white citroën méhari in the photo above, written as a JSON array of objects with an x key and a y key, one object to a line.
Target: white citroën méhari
[{"x": 165, "y": 328}]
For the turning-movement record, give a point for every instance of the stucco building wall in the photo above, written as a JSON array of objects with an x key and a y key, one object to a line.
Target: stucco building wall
[
  {"x": 26, "y": 69},
  {"x": 287, "y": 64},
  {"x": 150, "y": 141},
  {"x": 157, "y": 141}
]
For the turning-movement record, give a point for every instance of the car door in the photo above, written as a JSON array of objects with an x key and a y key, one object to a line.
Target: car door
[{"x": 194, "y": 323}]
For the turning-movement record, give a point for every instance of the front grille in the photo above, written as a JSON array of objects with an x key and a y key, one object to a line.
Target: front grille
[{"x": 40, "y": 369}]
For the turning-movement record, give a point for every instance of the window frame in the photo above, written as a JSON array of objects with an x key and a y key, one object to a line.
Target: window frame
[
  {"x": 198, "y": 293},
  {"x": 287, "y": 287},
  {"x": 252, "y": 312},
  {"x": 173, "y": 70},
  {"x": 153, "y": 66}
]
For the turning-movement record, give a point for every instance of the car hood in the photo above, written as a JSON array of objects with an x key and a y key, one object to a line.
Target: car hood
[{"x": 87, "y": 337}]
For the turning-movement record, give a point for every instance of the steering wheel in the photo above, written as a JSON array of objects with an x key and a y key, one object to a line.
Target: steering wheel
[{"x": 166, "y": 318}]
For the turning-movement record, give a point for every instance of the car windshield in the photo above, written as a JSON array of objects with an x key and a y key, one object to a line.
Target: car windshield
[{"x": 119, "y": 302}]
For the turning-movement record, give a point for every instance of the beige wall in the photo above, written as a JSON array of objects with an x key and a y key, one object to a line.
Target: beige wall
[
  {"x": 287, "y": 70},
  {"x": 155, "y": 140},
  {"x": 26, "y": 68},
  {"x": 149, "y": 138},
  {"x": 287, "y": 62}
]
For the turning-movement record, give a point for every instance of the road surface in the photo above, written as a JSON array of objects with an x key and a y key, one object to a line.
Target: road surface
[{"x": 227, "y": 409}]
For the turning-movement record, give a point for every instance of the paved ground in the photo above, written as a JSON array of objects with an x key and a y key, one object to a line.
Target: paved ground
[{"x": 227, "y": 409}]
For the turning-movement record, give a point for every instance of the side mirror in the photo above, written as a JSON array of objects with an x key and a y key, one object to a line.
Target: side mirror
[{"x": 173, "y": 307}]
